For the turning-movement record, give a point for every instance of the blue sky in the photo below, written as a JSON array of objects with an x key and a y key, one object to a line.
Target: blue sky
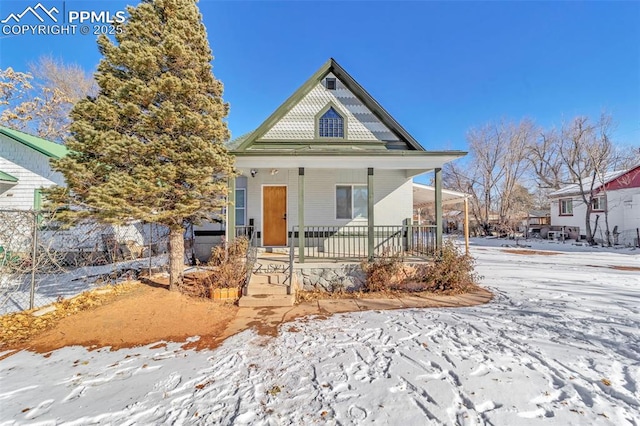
[{"x": 439, "y": 68}]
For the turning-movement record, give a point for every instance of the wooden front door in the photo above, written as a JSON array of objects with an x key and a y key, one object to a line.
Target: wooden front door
[{"x": 274, "y": 216}]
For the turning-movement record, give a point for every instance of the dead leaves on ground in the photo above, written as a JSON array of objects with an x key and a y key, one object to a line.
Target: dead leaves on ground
[{"x": 20, "y": 326}]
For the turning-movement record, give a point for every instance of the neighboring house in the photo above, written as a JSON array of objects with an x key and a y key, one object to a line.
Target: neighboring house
[
  {"x": 618, "y": 195},
  {"x": 24, "y": 168},
  {"x": 536, "y": 221},
  {"x": 329, "y": 158}
]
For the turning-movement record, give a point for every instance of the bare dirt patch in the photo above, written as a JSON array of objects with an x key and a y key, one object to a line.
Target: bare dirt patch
[
  {"x": 144, "y": 315},
  {"x": 532, "y": 252},
  {"x": 618, "y": 267}
]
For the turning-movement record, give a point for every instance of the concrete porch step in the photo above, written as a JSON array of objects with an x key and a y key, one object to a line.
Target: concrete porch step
[
  {"x": 268, "y": 289},
  {"x": 267, "y": 278},
  {"x": 257, "y": 289},
  {"x": 267, "y": 300}
]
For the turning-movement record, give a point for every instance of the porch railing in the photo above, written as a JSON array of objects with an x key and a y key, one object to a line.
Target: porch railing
[
  {"x": 248, "y": 232},
  {"x": 351, "y": 242}
]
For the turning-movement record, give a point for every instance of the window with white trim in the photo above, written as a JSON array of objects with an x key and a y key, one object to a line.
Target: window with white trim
[
  {"x": 598, "y": 204},
  {"x": 241, "y": 209},
  {"x": 331, "y": 125},
  {"x": 352, "y": 201},
  {"x": 566, "y": 207}
]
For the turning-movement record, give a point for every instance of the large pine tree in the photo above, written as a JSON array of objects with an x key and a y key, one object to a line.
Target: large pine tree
[{"x": 149, "y": 146}]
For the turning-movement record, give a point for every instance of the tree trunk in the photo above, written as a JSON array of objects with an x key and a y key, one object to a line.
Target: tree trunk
[
  {"x": 588, "y": 226},
  {"x": 606, "y": 219},
  {"x": 176, "y": 257}
]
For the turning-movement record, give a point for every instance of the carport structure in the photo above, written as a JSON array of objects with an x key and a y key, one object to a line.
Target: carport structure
[{"x": 425, "y": 195}]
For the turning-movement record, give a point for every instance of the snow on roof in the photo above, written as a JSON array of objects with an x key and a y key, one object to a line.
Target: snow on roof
[{"x": 574, "y": 188}]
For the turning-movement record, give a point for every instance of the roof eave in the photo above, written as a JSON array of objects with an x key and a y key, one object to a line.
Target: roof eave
[{"x": 379, "y": 153}]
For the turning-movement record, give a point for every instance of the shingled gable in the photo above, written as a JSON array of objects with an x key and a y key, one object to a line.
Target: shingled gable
[{"x": 256, "y": 140}]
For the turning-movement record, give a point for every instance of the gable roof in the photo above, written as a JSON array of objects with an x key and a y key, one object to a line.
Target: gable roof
[
  {"x": 331, "y": 66},
  {"x": 43, "y": 146},
  {"x": 6, "y": 177},
  {"x": 574, "y": 188}
]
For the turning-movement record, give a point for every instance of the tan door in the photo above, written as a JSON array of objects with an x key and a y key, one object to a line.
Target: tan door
[{"x": 274, "y": 215}]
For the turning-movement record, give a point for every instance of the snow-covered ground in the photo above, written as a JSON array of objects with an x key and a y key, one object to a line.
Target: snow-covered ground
[
  {"x": 554, "y": 245},
  {"x": 560, "y": 344},
  {"x": 15, "y": 291}
]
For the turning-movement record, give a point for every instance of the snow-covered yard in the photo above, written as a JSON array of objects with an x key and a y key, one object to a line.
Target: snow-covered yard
[{"x": 560, "y": 344}]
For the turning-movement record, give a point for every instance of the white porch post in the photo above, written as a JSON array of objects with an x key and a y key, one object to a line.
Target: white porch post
[
  {"x": 231, "y": 210},
  {"x": 438, "y": 202},
  {"x": 466, "y": 225},
  {"x": 370, "y": 219},
  {"x": 300, "y": 215}
]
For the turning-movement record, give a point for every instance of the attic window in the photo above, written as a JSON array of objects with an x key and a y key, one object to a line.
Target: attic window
[
  {"x": 331, "y": 83},
  {"x": 331, "y": 125}
]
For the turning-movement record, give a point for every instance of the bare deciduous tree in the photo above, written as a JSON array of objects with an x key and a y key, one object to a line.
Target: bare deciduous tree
[
  {"x": 42, "y": 99},
  {"x": 588, "y": 154},
  {"x": 498, "y": 155}
]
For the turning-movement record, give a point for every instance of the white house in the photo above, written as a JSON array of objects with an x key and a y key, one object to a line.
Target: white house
[
  {"x": 618, "y": 195},
  {"x": 24, "y": 168},
  {"x": 330, "y": 158}
]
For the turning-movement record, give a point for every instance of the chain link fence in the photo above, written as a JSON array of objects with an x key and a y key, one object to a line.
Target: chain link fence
[{"x": 42, "y": 262}]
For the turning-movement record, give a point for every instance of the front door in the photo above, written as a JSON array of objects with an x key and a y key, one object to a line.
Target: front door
[{"x": 274, "y": 216}]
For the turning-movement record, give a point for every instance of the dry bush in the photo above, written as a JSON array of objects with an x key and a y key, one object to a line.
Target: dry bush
[
  {"x": 317, "y": 294},
  {"x": 451, "y": 272},
  {"x": 237, "y": 249},
  {"x": 229, "y": 270},
  {"x": 385, "y": 273}
]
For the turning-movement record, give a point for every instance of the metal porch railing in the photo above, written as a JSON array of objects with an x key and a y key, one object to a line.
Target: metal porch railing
[{"x": 351, "y": 242}]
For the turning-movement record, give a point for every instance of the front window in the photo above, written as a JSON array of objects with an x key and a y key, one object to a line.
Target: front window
[
  {"x": 598, "y": 204},
  {"x": 331, "y": 125},
  {"x": 241, "y": 207},
  {"x": 566, "y": 207},
  {"x": 351, "y": 202}
]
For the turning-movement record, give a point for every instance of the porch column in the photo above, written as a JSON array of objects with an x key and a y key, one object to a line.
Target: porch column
[
  {"x": 370, "y": 221},
  {"x": 231, "y": 209},
  {"x": 438, "y": 202},
  {"x": 300, "y": 215},
  {"x": 466, "y": 225}
]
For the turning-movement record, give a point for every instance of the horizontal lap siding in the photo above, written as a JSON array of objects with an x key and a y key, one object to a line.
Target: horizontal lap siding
[
  {"x": 32, "y": 170},
  {"x": 392, "y": 193}
]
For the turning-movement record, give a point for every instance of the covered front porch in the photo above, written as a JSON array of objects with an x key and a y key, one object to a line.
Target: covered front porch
[{"x": 334, "y": 208}]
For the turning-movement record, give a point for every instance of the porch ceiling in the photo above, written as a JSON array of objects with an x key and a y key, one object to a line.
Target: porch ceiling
[
  {"x": 401, "y": 160},
  {"x": 425, "y": 194}
]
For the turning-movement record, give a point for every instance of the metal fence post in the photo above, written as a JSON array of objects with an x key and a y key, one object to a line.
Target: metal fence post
[
  {"x": 150, "y": 241},
  {"x": 34, "y": 253}
]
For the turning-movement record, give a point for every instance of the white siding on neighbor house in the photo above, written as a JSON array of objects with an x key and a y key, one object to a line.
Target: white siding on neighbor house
[
  {"x": 575, "y": 220},
  {"x": 393, "y": 195},
  {"x": 360, "y": 123},
  {"x": 623, "y": 206},
  {"x": 30, "y": 167}
]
